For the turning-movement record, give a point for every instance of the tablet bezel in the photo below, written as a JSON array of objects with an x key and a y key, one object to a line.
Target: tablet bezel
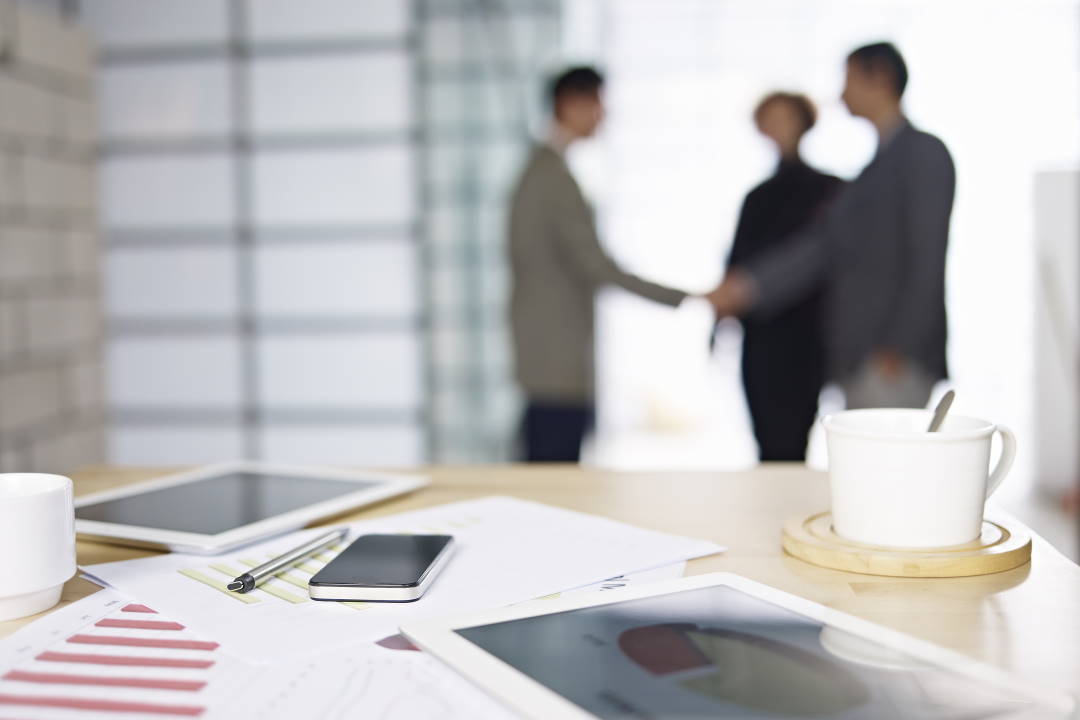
[
  {"x": 207, "y": 544},
  {"x": 534, "y": 700}
]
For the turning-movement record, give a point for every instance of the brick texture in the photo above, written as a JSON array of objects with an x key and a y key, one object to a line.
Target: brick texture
[{"x": 51, "y": 378}]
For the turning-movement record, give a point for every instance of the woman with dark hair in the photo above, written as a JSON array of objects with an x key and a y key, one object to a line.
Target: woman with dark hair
[{"x": 783, "y": 365}]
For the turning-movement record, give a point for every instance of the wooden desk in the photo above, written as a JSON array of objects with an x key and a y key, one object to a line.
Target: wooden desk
[{"x": 1026, "y": 620}]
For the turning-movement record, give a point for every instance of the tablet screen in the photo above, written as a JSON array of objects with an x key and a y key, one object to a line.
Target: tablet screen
[
  {"x": 219, "y": 503},
  {"x": 719, "y": 652}
]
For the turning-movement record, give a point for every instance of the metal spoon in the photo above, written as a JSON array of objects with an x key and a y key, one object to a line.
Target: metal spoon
[{"x": 940, "y": 411}]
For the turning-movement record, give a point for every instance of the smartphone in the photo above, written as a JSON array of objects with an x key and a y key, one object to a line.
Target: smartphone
[{"x": 383, "y": 568}]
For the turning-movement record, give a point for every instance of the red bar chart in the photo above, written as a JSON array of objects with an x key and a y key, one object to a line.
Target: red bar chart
[{"x": 116, "y": 658}]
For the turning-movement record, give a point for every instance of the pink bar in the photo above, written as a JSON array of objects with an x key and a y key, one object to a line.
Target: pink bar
[
  {"x": 104, "y": 705},
  {"x": 122, "y": 660},
  {"x": 65, "y": 679},
  {"x": 136, "y": 607},
  {"x": 140, "y": 624},
  {"x": 142, "y": 642}
]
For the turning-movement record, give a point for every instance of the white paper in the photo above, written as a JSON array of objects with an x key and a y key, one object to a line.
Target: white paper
[
  {"x": 365, "y": 680},
  {"x": 60, "y": 661},
  {"x": 508, "y": 551},
  {"x": 665, "y": 572},
  {"x": 374, "y": 682}
]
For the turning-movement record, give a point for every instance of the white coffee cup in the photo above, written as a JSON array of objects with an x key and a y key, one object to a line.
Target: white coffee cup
[
  {"x": 893, "y": 484},
  {"x": 37, "y": 541}
]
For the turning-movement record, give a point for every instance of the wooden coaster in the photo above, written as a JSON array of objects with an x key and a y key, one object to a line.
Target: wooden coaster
[{"x": 1002, "y": 546}]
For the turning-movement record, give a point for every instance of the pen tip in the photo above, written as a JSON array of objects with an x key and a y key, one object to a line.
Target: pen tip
[{"x": 235, "y": 586}]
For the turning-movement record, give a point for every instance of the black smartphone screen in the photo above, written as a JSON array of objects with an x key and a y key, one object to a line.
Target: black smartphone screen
[{"x": 383, "y": 561}]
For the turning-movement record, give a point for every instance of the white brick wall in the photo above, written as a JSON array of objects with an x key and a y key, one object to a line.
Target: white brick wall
[
  {"x": 38, "y": 40},
  {"x": 9, "y": 177},
  {"x": 62, "y": 324},
  {"x": 57, "y": 184},
  {"x": 51, "y": 416},
  {"x": 9, "y": 331},
  {"x": 31, "y": 398},
  {"x": 79, "y": 254},
  {"x": 79, "y": 446},
  {"x": 77, "y": 120},
  {"x": 30, "y": 111},
  {"x": 26, "y": 256},
  {"x": 82, "y": 385}
]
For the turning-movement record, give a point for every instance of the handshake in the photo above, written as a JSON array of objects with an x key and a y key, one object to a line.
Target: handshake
[{"x": 733, "y": 296}]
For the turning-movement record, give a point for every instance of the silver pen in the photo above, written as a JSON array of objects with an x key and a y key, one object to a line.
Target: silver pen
[{"x": 249, "y": 580}]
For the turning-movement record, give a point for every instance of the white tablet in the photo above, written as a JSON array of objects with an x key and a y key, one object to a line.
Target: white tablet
[
  {"x": 217, "y": 508},
  {"x": 717, "y": 646}
]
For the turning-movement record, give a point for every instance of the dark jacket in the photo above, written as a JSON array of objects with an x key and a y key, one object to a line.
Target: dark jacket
[
  {"x": 785, "y": 203},
  {"x": 879, "y": 252}
]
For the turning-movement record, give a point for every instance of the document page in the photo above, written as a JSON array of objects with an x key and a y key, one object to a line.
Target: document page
[
  {"x": 508, "y": 551},
  {"x": 107, "y": 657}
]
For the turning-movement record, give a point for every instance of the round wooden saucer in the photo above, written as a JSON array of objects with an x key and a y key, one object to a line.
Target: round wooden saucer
[{"x": 1003, "y": 545}]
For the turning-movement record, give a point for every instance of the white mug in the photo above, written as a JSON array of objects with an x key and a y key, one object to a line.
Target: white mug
[
  {"x": 893, "y": 484},
  {"x": 37, "y": 541}
]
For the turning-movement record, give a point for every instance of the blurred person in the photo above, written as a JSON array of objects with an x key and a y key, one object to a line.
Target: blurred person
[
  {"x": 879, "y": 253},
  {"x": 557, "y": 265},
  {"x": 783, "y": 355}
]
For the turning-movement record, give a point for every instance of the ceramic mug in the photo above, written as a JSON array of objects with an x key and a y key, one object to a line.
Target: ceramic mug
[
  {"x": 893, "y": 484},
  {"x": 37, "y": 541}
]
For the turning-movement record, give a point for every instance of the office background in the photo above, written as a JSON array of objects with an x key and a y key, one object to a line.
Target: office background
[{"x": 273, "y": 229}]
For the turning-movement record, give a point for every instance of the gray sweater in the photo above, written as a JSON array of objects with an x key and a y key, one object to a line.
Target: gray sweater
[
  {"x": 557, "y": 264},
  {"x": 880, "y": 254}
]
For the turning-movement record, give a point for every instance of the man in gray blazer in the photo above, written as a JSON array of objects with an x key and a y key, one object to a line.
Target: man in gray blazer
[
  {"x": 557, "y": 265},
  {"x": 879, "y": 253}
]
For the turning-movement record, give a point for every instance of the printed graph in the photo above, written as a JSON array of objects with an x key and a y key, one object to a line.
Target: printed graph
[{"x": 130, "y": 663}]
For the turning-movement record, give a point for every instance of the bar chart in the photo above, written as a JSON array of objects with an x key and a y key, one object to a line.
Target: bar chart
[{"x": 106, "y": 657}]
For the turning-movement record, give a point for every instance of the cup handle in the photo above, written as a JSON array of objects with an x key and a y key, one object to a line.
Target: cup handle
[{"x": 1008, "y": 454}]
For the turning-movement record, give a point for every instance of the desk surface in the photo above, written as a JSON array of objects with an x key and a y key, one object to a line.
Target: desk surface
[{"x": 1026, "y": 620}]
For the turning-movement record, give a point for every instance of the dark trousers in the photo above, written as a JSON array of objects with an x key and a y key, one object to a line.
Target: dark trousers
[
  {"x": 782, "y": 381},
  {"x": 553, "y": 432}
]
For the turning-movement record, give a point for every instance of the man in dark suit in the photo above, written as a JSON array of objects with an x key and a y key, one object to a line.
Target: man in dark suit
[{"x": 878, "y": 253}]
